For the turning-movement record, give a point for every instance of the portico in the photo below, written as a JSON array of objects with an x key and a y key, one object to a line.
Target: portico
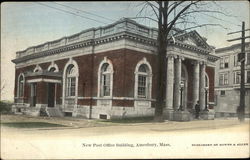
[{"x": 186, "y": 77}]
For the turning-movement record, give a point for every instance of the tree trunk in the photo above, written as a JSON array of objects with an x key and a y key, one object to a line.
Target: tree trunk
[{"x": 161, "y": 67}]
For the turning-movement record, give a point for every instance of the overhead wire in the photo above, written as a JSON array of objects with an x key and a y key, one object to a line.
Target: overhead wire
[
  {"x": 86, "y": 12},
  {"x": 72, "y": 13}
]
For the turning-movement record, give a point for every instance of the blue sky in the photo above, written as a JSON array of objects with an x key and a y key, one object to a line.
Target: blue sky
[{"x": 25, "y": 24}]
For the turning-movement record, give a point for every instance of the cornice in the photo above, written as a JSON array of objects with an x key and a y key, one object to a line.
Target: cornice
[
  {"x": 190, "y": 47},
  {"x": 91, "y": 42},
  {"x": 112, "y": 38},
  {"x": 231, "y": 47}
]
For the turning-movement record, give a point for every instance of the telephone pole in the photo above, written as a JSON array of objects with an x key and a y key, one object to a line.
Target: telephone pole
[{"x": 241, "y": 59}]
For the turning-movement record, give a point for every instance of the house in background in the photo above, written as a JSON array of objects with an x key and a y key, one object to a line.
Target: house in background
[
  {"x": 111, "y": 72},
  {"x": 228, "y": 78}
]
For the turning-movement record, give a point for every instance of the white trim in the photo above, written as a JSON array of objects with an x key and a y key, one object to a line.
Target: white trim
[
  {"x": 18, "y": 87},
  {"x": 37, "y": 68},
  {"x": 43, "y": 80},
  {"x": 105, "y": 60},
  {"x": 148, "y": 80},
  {"x": 223, "y": 88},
  {"x": 208, "y": 85},
  {"x": 53, "y": 65},
  {"x": 117, "y": 98},
  {"x": 70, "y": 62},
  {"x": 119, "y": 44}
]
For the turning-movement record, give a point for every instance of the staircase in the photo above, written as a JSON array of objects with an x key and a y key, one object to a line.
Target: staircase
[{"x": 54, "y": 112}]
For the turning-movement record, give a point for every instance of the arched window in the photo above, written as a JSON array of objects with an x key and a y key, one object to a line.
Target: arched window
[
  {"x": 37, "y": 69},
  {"x": 71, "y": 81},
  {"x": 52, "y": 69},
  {"x": 20, "y": 85},
  {"x": 105, "y": 80},
  {"x": 143, "y": 80}
]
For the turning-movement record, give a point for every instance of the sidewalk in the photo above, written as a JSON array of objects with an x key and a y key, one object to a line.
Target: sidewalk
[{"x": 71, "y": 123}]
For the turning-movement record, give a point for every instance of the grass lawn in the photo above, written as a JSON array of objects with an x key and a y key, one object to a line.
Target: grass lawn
[
  {"x": 31, "y": 124},
  {"x": 130, "y": 120}
]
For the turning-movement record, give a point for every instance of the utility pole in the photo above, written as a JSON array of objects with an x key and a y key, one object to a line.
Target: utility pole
[{"x": 241, "y": 59}]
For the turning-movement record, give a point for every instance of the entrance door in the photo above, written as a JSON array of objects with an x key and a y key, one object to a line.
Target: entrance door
[
  {"x": 51, "y": 94},
  {"x": 33, "y": 95}
]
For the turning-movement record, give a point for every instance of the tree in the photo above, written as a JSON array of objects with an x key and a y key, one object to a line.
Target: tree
[
  {"x": 2, "y": 86},
  {"x": 167, "y": 14}
]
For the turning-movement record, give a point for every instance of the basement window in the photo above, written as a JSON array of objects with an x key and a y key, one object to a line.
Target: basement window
[
  {"x": 223, "y": 93},
  {"x": 103, "y": 116},
  {"x": 68, "y": 114}
]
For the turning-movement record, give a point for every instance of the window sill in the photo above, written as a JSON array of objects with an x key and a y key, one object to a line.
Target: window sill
[{"x": 71, "y": 97}]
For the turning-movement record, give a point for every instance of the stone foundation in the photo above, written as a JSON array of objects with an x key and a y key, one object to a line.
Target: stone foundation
[
  {"x": 181, "y": 116},
  {"x": 207, "y": 115}
]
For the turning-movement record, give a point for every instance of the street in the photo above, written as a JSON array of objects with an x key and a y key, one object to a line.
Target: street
[{"x": 218, "y": 138}]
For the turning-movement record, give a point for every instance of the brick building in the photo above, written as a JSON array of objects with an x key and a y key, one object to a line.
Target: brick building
[
  {"x": 110, "y": 72},
  {"x": 228, "y": 78}
]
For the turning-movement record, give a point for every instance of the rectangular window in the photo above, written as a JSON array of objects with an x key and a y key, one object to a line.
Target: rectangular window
[
  {"x": 221, "y": 63},
  {"x": 222, "y": 93},
  {"x": 236, "y": 77},
  {"x": 106, "y": 84},
  {"x": 248, "y": 58},
  {"x": 248, "y": 76},
  {"x": 21, "y": 89},
  {"x": 221, "y": 79},
  {"x": 142, "y": 86},
  {"x": 71, "y": 86},
  {"x": 236, "y": 63},
  {"x": 226, "y": 62},
  {"x": 225, "y": 79}
]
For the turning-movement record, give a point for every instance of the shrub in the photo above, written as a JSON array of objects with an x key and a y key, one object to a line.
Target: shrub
[{"x": 5, "y": 107}]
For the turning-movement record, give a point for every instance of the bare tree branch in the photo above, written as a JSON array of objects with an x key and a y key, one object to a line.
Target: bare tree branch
[
  {"x": 219, "y": 19},
  {"x": 179, "y": 14},
  {"x": 152, "y": 6},
  {"x": 176, "y": 4},
  {"x": 139, "y": 13},
  {"x": 206, "y": 11},
  {"x": 187, "y": 16},
  {"x": 202, "y": 25}
]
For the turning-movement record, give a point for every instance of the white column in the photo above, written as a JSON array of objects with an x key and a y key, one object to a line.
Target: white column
[
  {"x": 177, "y": 91},
  {"x": 196, "y": 82},
  {"x": 170, "y": 82},
  {"x": 202, "y": 86}
]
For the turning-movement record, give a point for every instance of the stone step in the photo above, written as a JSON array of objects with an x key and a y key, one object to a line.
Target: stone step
[{"x": 54, "y": 112}]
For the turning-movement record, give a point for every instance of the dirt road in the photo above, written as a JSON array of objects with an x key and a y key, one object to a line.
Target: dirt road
[{"x": 217, "y": 138}]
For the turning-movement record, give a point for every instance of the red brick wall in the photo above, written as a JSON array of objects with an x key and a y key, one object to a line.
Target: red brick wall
[
  {"x": 87, "y": 102},
  {"x": 132, "y": 58},
  {"x": 124, "y": 63},
  {"x": 85, "y": 75},
  {"x": 45, "y": 66},
  {"x": 26, "y": 85}
]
